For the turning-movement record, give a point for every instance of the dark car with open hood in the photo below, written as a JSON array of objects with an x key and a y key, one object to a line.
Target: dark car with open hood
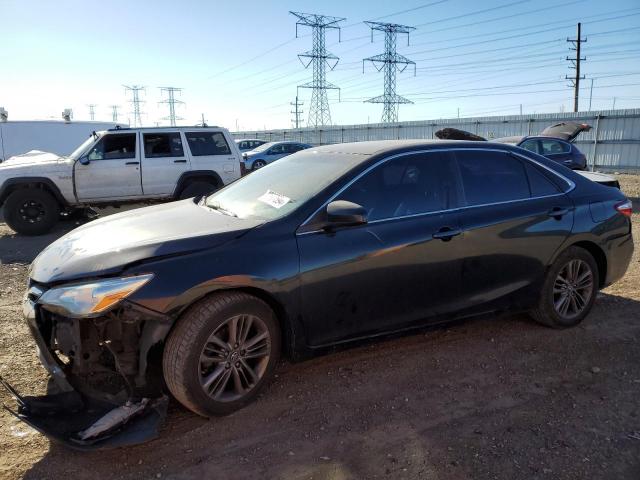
[{"x": 200, "y": 298}]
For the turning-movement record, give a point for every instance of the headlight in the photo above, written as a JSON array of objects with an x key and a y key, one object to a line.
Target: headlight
[{"x": 91, "y": 299}]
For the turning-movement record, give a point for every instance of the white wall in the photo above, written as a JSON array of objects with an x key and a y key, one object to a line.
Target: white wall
[{"x": 57, "y": 137}]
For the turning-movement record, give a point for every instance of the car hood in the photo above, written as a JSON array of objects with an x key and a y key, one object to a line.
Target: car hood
[
  {"x": 33, "y": 157},
  {"x": 565, "y": 130},
  {"x": 106, "y": 246}
]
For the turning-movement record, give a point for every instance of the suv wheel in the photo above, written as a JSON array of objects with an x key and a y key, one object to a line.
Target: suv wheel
[
  {"x": 31, "y": 211},
  {"x": 569, "y": 289},
  {"x": 221, "y": 353},
  {"x": 196, "y": 189}
]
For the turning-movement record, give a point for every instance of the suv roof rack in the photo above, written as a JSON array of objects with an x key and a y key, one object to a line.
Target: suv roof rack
[{"x": 118, "y": 127}]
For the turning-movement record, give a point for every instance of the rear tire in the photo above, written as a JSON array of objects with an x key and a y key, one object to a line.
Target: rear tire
[
  {"x": 31, "y": 211},
  {"x": 569, "y": 290},
  {"x": 196, "y": 189},
  {"x": 221, "y": 353}
]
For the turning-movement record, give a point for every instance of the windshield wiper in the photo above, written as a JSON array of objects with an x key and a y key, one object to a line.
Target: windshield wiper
[{"x": 221, "y": 210}]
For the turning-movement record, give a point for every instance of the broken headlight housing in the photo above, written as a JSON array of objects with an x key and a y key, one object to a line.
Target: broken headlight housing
[{"x": 91, "y": 299}]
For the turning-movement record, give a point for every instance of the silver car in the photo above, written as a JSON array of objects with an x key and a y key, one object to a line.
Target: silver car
[{"x": 270, "y": 152}]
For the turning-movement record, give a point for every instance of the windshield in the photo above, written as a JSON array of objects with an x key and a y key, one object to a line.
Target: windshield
[
  {"x": 281, "y": 187},
  {"x": 263, "y": 147},
  {"x": 82, "y": 148}
]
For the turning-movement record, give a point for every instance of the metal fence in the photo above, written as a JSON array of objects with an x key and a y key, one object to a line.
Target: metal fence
[{"x": 613, "y": 144}]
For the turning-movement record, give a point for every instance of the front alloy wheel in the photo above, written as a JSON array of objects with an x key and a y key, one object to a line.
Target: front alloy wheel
[
  {"x": 221, "y": 353},
  {"x": 235, "y": 358}
]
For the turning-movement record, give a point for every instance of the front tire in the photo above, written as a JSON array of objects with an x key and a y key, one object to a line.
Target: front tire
[
  {"x": 569, "y": 290},
  {"x": 197, "y": 189},
  {"x": 31, "y": 211},
  {"x": 258, "y": 164},
  {"x": 221, "y": 353}
]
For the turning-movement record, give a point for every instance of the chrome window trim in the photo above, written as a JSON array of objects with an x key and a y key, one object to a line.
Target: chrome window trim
[{"x": 571, "y": 184}]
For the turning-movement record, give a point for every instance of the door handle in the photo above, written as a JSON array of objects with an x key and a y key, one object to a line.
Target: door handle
[
  {"x": 132, "y": 163},
  {"x": 559, "y": 212},
  {"x": 447, "y": 233},
  {"x": 179, "y": 161}
]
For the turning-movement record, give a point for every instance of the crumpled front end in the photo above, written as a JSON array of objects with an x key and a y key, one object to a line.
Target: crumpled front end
[{"x": 106, "y": 389}]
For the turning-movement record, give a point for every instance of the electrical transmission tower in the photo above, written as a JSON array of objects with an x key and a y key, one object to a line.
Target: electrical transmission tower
[
  {"x": 575, "y": 64},
  {"x": 391, "y": 62},
  {"x": 319, "y": 113},
  {"x": 114, "y": 112},
  {"x": 172, "y": 102},
  {"x": 297, "y": 113},
  {"x": 136, "y": 102},
  {"x": 92, "y": 111}
]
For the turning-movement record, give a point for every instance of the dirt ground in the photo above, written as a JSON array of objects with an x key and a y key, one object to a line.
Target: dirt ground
[{"x": 490, "y": 398}]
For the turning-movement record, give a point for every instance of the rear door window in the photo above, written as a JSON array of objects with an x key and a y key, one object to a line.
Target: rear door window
[
  {"x": 552, "y": 147},
  {"x": 207, "y": 143},
  {"x": 158, "y": 145},
  {"x": 114, "y": 147},
  {"x": 531, "y": 145},
  {"x": 409, "y": 185},
  {"x": 539, "y": 184},
  {"x": 491, "y": 177}
]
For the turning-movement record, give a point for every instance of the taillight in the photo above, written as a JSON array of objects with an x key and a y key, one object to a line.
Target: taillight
[{"x": 625, "y": 208}]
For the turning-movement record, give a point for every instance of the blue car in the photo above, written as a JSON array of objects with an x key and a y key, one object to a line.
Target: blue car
[
  {"x": 555, "y": 143},
  {"x": 270, "y": 152}
]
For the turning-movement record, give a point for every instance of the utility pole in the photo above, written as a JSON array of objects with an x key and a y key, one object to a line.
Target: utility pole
[
  {"x": 136, "y": 102},
  {"x": 92, "y": 111},
  {"x": 391, "y": 62},
  {"x": 297, "y": 112},
  {"x": 520, "y": 109},
  {"x": 590, "y": 94},
  {"x": 172, "y": 102},
  {"x": 575, "y": 64},
  {"x": 114, "y": 112},
  {"x": 319, "y": 113}
]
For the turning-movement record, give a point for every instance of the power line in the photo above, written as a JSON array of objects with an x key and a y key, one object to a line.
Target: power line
[
  {"x": 391, "y": 62},
  {"x": 319, "y": 113},
  {"x": 136, "y": 102},
  {"x": 297, "y": 112},
  {"x": 576, "y": 65},
  {"x": 92, "y": 111},
  {"x": 171, "y": 102},
  {"x": 114, "y": 112}
]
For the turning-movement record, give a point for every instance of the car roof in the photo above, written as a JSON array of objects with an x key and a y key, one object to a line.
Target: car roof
[
  {"x": 137, "y": 129},
  {"x": 392, "y": 146}
]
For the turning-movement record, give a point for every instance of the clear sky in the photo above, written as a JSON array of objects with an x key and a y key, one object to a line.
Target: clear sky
[{"x": 237, "y": 63}]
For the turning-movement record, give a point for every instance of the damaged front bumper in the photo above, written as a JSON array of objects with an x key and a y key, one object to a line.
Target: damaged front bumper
[{"x": 79, "y": 418}]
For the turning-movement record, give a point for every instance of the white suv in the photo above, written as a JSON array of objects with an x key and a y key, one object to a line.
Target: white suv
[{"x": 114, "y": 167}]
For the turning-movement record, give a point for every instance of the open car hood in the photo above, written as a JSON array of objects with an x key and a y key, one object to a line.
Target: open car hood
[{"x": 565, "y": 130}]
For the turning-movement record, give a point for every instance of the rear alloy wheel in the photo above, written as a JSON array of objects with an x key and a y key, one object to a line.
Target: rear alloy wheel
[
  {"x": 258, "y": 164},
  {"x": 569, "y": 289},
  {"x": 221, "y": 353},
  {"x": 31, "y": 211}
]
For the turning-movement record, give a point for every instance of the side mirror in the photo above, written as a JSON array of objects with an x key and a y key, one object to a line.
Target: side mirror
[
  {"x": 341, "y": 213},
  {"x": 84, "y": 160}
]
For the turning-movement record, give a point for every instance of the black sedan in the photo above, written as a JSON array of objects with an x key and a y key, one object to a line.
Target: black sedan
[{"x": 327, "y": 246}]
